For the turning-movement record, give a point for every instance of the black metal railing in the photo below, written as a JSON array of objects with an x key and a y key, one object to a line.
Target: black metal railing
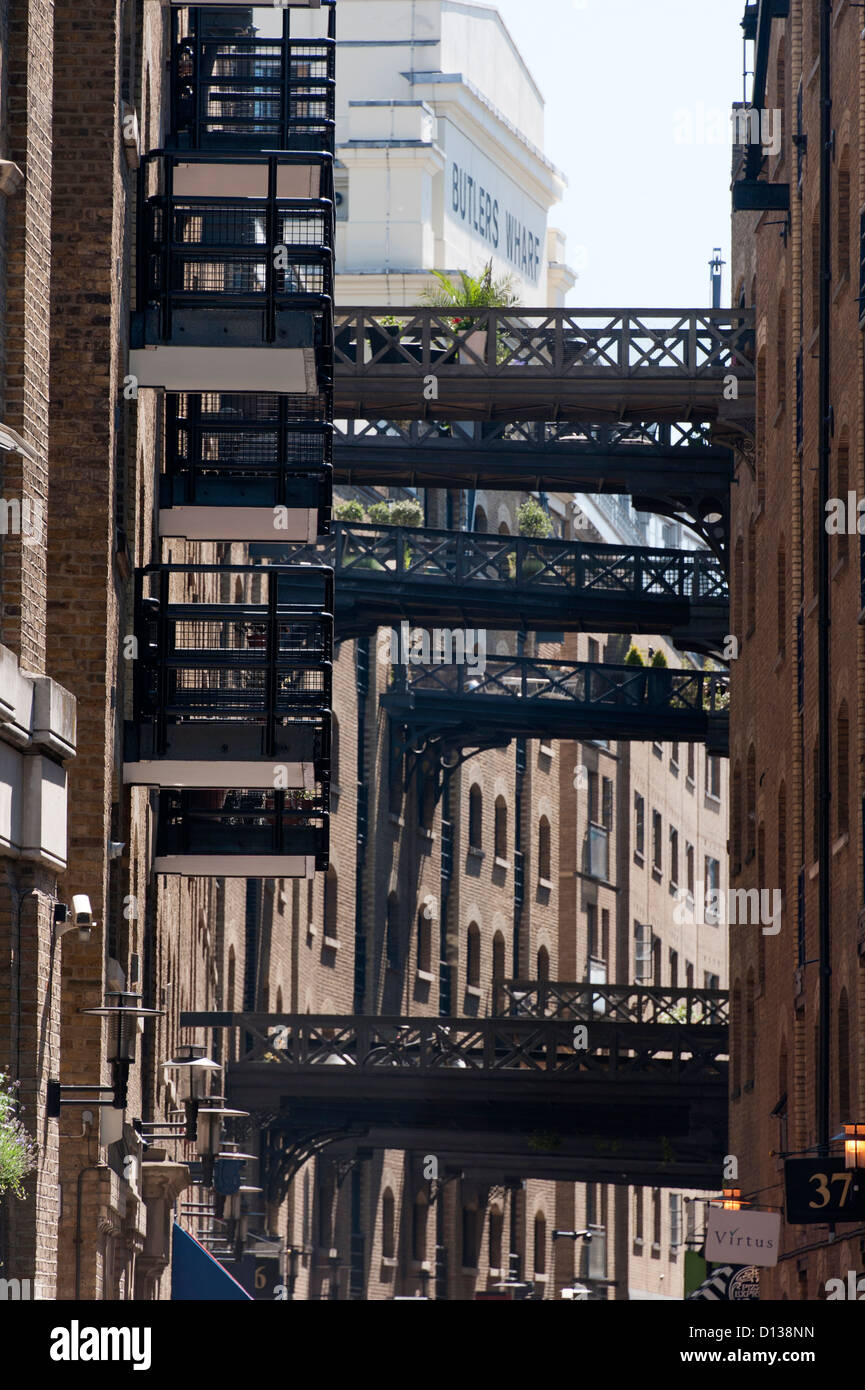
[
  {"x": 666, "y": 439},
  {"x": 554, "y": 343},
  {"x": 578, "y": 682},
  {"x": 233, "y": 661},
  {"x": 251, "y": 237},
  {"x": 254, "y": 822},
  {"x": 233, "y": 89},
  {"x": 261, "y": 450},
  {"x": 382, "y": 554},
  {"x": 614, "y": 1003}
]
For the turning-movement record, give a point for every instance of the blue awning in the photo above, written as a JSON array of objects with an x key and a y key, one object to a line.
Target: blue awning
[{"x": 196, "y": 1275}]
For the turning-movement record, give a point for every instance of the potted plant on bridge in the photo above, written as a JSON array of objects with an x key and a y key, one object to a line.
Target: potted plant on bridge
[
  {"x": 484, "y": 291},
  {"x": 17, "y": 1151},
  {"x": 535, "y": 524}
]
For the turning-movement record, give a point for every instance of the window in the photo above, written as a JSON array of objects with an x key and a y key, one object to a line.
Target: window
[
  {"x": 540, "y": 1243},
  {"x": 593, "y": 797},
  {"x": 470, "y": 1237},
  {"x": 689, "y": 974},
  {"x": 473, "y": 956},
  {"x": 656, "y": 1220},
  {"x": 675, "y": 1220},
  {"x": 543, "y": 966},
  {"x": 598, "y": 852},
  {"x": 711, "y": 981},
  {"x": 638, "y": 1215},
  {"x": 605, "y": 934},
  {"x": 782, "y": 599},
  {"x": 501, "y": 828},
  {"x": 424, "y": 941},
  {"x": 712, "y": 872},
  {"x": 642, "y": 953},
  {"x": 689, "y": 868},
  {"x": 713, "y": 776},
  {"x": 674, "y": 756},
  {"x": 639, "y": 825},
  {"x": 674, "y": 969},
  {"x": 674, "y": 858},
  {"x": 594, "y": 651},
  {"x": 607, "y": 805},
  {"x": 387, "y": 1225},
  {"x": 657, "y": 850},
  {"x": 331, "y": 905},
  {"x": 498, "y": 957},
  {"x": 476, "y": 818},
  {"x": 496, "y": 1231},
  {"x": 544, "y": 850},
  {"x": 690, "y": 1221},
  {"x": 592, "y": 928}
]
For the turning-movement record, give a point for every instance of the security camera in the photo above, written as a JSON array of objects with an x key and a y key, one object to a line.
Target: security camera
[{"x": 82, "y": 915}]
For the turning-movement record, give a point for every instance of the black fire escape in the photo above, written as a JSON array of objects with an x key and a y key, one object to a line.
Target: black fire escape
[{"x": 233, "y": 326}]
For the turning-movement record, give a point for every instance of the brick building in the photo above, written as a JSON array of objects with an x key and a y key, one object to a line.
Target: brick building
[{"x": 796, "y": 762}]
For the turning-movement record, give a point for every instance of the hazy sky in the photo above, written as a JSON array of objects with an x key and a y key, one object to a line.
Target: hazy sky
[{"x": 637, "y": 96}]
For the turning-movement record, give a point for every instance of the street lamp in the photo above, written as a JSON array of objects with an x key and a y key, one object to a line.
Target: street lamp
[
  {"x": 192, "y": 1061},
  {"x": 854, "y": 1146},
  {"x": 731, "y": 1200}
]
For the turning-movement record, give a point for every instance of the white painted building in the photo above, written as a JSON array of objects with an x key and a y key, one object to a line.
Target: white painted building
[{"x": 440, "y": 133}]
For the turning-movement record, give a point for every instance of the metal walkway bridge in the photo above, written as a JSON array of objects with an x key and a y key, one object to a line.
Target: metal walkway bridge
[
  {"x": 633, "y": 1096},
  {"x": 388, "y": 574},
  {"x": 543, "y": 364},
  {"x": 447, "y": 708},
  {"x": 677, "y": 469}
]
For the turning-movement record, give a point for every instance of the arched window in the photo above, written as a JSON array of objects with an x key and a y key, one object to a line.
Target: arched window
[
  {"x": 842, "y": 769},
  {"x": 481, "y": 523},
  {"x": 501, "y": 828},
  {"x": 736, "y": 820},
  {"x": 498, "y": 957},
  {"x": 751, "y": 805},
  {"x": 750, "y": 1032},
  {"x": 388, "y": 1211},
  {"x": 424, "y": 941},
  {"x": 844, "y": 1112},
  {"x": 545, "y": 870},
  {"x": 476, "y": 818},
  {"x": 782, "y": 598},
  {"x": 331, "y": 905},
  {"x": 473, "y": 955},
  {"x": 540, "y": 1243},
  {"x": 543, "y": 963}
]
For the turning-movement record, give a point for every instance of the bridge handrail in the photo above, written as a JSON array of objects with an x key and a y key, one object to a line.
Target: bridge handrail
[{"x": 614, "y": 1003}]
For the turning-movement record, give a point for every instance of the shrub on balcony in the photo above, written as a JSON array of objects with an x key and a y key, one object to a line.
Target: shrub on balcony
[
  {"x": 532, "y": 520},
  {"x": 17, "y": 1150},
  {"x": 348, "y": 511},
  {"x": 634, "y": 657},
  {"x": 406, "y": 513}
]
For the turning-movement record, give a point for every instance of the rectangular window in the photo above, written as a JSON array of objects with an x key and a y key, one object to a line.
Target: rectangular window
[
  {"x": 605, "y": 934},
  {"x": 674, "y": 756},
  {"x": 639, "y": 825},
  {"x": 643, "y": 963},
  {"x": 690, "y": 1221},
  {"x": 675, "y": 1220},
  {"x": 594, "y": 651},
  {"x": 592, "y": 927},
  {"x": 607, "y": 805},
  {"x": 657, "y": 849},
  {"x": 689, "y": 868},
  {"x": 674, "y": 969},
  {"x": 593, "y": 797},
  {"x": 598, "y": 845},
  {"x": 674, "y": 858},
  {"x": 691, "y": 762},
  {"x": 638, "y": 1214},
  {"x": 713, "y": 776},
  {"x": 689, "y": 974},
  {"x": 712, "y": 870}
]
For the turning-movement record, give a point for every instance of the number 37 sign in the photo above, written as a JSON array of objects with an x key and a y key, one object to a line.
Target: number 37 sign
[{"x": 822, "y": 1191}]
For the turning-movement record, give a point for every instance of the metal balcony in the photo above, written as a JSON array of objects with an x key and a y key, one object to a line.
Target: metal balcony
[
  {"x": 234, "y": 89},
  {"x": 255, "y": 467},
  {"x": 233, "y": 677},
  {"x": 453, "y": 707},
  {"x": 234, "y": 252},
  {"x": 386, "y": 574},
  {"x": 242, "y": 833}
]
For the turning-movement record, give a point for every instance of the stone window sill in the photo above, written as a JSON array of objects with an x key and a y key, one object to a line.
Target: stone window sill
[
  {"x": 398, "y": 821},
  {"x": 475, "y": 853},
  {"x": 426, "y": 976},
  {"x": 330, "y": 943},
  {"x": 545, "y": 883},
  {"x": 474, "y": 991},
  {"x": 502, "y": 863}
]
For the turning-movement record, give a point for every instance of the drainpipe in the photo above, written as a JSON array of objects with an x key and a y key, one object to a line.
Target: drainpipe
[
  {"x": 823, "y": 615},
  {"x": 79, "y": 1239}
]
